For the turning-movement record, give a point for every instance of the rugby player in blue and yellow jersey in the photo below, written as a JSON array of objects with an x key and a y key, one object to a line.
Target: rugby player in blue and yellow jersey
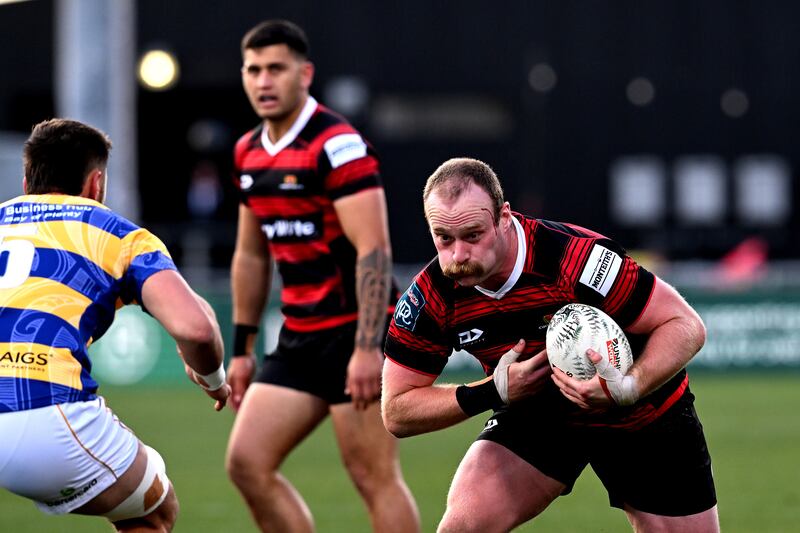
[{"x": 67, "y": 263}]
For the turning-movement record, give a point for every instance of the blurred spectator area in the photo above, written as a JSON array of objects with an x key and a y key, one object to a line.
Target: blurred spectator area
[{"x": 669, "y": 126}]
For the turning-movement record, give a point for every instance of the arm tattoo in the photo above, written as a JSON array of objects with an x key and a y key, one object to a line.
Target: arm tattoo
[{"x": 373, "y": 279}]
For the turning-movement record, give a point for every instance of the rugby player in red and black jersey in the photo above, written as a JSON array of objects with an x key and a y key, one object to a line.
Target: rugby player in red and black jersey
[
  {"x": 313, "y": 203},
  {"x": 498, "y": 278}
]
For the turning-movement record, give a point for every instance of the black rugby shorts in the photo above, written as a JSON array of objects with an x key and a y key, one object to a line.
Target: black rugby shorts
[
  {"x": 663, "y": 468},
  {"x": 313, "y": 362}
]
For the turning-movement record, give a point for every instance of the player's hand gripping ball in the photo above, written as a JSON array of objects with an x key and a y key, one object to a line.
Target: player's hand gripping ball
[{"x": 577, "y": 327}]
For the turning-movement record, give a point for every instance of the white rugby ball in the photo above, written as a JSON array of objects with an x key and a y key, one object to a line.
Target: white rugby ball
[{"x": 577, "y": 327}]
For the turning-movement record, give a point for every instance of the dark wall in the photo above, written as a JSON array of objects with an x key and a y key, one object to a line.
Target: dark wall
[{"x": 554, "y": 149}]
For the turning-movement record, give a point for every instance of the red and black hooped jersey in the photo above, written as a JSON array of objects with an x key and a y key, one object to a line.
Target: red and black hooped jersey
[
  {"x": 563, "y": 263},
  {"x": 290, "y": 186}
]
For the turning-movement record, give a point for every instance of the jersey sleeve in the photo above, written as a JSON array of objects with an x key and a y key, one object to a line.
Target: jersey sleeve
[
  {"x": 592, "y": 269},
  {"x": 148, "y": 256},
  {"x": 348, "y": 164},
  {"x": 240, "y": 179},
  {"x": 416, "y": 338},
  {"x": 608, "y": 278}
]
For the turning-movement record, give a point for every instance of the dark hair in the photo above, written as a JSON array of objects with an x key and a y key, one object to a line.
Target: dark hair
[
  {"x": 454, "y": 176},
  {"x": 59, "y": 155},
  {"x": 277, "y": 31}
]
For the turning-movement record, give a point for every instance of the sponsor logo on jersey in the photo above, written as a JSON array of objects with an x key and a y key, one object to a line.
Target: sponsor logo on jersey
[
  {"x": 245, "y": 181},
  {"x": 465, "y": 338},
  {"x": 28, "y": 358},
  {"x": 407, "y": 310},
  {"x": 289, "y": 229},
  {"x": 491, "y": 423},
  {"x": 344, "y": 148},
  {"x": 601, "y": 269},
  {"x": 39, "y": 212},
  {"x": 290, "y": 183}
]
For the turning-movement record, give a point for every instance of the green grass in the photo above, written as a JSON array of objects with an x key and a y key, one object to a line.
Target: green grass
[{"x": 751, "y": 424}]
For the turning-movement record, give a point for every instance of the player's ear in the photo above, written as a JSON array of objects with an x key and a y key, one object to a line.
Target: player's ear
[
  {"x": 25, "y": 184},
  {"x": 505, "y": 214},
  {"x": 307, "y": 73},
  {"x": 93, "y": 186}
]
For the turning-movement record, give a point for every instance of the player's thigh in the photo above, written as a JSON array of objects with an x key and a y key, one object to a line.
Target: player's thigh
[
  {"x": 363, "y": 440},
  {"x": 704, "y": 522},
  {"x": 142, "y": 493},
  {"x": 270, "y": 423},
  {"x": 121, "y": 489},
  {"x": 494, "y": 485}
]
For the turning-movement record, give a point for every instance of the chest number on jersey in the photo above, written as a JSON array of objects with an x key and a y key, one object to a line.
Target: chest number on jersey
[{"x": 16, "y": 259}]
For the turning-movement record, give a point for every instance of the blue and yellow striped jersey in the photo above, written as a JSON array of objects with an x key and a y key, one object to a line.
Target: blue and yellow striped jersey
[{"x": 66, "y": 265}]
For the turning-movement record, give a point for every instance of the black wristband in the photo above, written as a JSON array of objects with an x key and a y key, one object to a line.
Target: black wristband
[
  {"x": 241, "y": 333},
  {"x": 474, "y": 399}
]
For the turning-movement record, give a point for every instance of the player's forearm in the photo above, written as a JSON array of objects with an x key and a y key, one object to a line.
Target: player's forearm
[
  {"x": 421, "y": 410},
  {"x": 669, "y": 348},
  {"x": 204, "y": 357},
  {"x": 373, "y": 283},
  {"x": 202, "y": 346},
  {"x": 250, "y": 284}
]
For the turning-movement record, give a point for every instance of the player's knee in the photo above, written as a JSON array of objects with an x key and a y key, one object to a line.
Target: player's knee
[
  {"x": 238, "y": 468},
  {"x": 237, "y": 464},
  {"x": 246, "y": 473},
  {"x": 370, "y": 477}
]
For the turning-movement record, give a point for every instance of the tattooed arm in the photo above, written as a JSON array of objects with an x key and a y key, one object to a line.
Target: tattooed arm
[
  {"x": 373, "y": 281},
  {"x": 364, "y": 221}
]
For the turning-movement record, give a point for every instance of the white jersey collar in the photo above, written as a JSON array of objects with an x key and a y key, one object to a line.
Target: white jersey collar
[
  {"x": 522, "y": 250},
  {"x": 302, "y": 119}
]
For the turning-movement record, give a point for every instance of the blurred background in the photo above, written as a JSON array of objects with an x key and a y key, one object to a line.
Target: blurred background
[{"x": 670, "y": 126}]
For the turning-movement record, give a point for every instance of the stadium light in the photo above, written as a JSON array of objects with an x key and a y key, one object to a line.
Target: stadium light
[
  {"x": 640, "y": 92},
  {"x": 734, "y": 103},
  {"x": 158, "y": 70},
  {"x": 542, "y": 78}
]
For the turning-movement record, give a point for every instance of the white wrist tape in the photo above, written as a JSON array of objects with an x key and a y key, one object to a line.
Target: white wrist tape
[
  {"x": 623, "y": 392},
  {"x": 619, "y": 387},
  {"x": 500, "y": 374},
  {"x": 212, "y": 381}
]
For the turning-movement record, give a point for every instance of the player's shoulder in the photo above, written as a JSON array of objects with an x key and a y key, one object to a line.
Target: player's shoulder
[
  {"x": 326, "y": 124},
  {"x": 549, "y": 233},
  {"x": 559, "y": 245},
  {"x": 431, "y": 283},
  {"x": 249, "y": 139},
  {"x": 425, "y": 300},
  {"x": 123, "y": 227}
]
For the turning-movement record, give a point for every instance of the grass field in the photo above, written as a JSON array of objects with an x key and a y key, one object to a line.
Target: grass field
[{"x": 751, "y": 424}]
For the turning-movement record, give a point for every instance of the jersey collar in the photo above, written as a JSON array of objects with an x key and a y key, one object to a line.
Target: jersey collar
[
  {"x": 294, "y": 131},
  {"x": 522, "y": 249}
]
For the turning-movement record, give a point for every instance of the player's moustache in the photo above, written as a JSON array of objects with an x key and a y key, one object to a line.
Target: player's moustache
[{"x": 463, "y": 270}]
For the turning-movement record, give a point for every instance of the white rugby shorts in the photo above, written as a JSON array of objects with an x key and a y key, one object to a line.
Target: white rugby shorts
[{"x": 62, "y": 456}]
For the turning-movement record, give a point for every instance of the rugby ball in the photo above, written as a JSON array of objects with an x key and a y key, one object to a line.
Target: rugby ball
[{"x": 577, "y": 327}]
